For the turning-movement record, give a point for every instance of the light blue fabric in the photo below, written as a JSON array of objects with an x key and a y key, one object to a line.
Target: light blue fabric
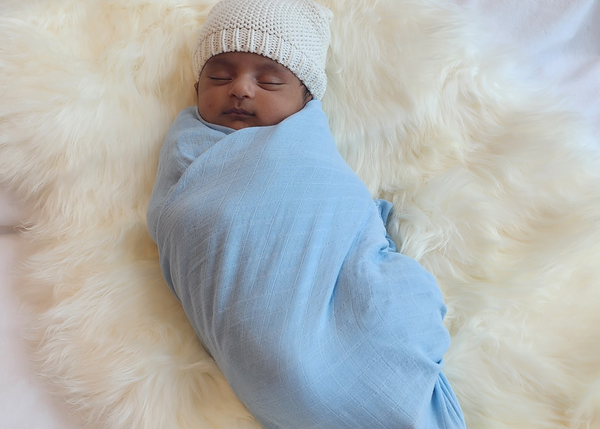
[{"x": 280, "y": 259}]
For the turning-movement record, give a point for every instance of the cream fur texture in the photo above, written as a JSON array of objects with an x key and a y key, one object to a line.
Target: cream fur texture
[{"x": 495, "y": 188}]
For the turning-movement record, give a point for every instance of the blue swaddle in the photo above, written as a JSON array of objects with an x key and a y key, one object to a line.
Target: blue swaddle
[{"x": 280, "y": 259}]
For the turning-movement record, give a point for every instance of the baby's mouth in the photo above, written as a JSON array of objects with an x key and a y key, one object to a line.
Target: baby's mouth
[{"x": 238, "y": 112}]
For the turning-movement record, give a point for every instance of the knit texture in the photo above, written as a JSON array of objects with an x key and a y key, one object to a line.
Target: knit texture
[{"x": 295, "y": 33}]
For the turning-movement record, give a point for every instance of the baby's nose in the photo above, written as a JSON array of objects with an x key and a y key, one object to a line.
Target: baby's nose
[{"x": 242, "y": 87}]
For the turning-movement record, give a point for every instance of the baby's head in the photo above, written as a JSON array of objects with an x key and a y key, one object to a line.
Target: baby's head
[{"x": 260, "y": 61}]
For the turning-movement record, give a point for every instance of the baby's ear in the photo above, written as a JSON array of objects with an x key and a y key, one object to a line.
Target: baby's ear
[{"x": 196, "y": 87}]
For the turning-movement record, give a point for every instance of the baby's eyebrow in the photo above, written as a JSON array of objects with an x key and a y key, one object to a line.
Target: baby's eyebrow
[
  {"x": 275, "y": 68},
  {"x": 216, "y": 61}
]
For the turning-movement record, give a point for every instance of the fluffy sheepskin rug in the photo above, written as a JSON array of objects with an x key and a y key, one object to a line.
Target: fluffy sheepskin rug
[{"x": 495, "y": 192}]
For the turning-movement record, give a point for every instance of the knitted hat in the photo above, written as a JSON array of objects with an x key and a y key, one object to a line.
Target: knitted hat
[{"x": 295, "y": 33}]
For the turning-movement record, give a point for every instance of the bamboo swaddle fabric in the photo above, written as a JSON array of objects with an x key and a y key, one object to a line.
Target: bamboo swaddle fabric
[{"x": 281, "y": 261}]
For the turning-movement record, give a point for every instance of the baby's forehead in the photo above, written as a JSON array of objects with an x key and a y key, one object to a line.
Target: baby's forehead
[{"x": 238, "y": 60}]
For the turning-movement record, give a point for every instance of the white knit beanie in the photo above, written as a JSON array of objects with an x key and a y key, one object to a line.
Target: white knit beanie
[{"x": 295, "y": 33}]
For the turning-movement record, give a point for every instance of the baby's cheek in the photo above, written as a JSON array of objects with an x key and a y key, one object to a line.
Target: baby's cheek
[{"x": 206, "y": 108}]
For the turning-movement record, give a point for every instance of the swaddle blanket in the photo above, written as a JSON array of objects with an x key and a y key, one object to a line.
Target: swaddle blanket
[{"x": 281, "y": 261}]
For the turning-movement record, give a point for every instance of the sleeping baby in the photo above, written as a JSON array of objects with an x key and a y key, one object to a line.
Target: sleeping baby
[{"x": 275, "y": 248}]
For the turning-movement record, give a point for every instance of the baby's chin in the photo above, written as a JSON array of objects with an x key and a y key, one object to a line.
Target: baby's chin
[{"x": 239, "y": 125}]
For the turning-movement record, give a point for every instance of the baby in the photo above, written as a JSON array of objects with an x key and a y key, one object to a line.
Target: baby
[{"x": 277, "y": 251}]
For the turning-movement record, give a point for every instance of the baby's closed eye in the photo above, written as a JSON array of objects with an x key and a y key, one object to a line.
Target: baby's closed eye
[{"x": 270, "y": 82}]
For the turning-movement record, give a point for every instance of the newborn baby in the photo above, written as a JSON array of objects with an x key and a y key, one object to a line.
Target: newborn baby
[{"x": 277, "y": 251}]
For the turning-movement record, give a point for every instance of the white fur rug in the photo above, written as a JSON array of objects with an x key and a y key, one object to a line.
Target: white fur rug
[{"x": 495, "y": 188}]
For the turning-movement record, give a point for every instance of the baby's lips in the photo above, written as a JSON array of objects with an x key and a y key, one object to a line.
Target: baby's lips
[{"x": 237, "y": 111}]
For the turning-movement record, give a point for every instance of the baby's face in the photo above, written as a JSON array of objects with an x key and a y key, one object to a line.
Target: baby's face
[{"x": 239, "y": 90}]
